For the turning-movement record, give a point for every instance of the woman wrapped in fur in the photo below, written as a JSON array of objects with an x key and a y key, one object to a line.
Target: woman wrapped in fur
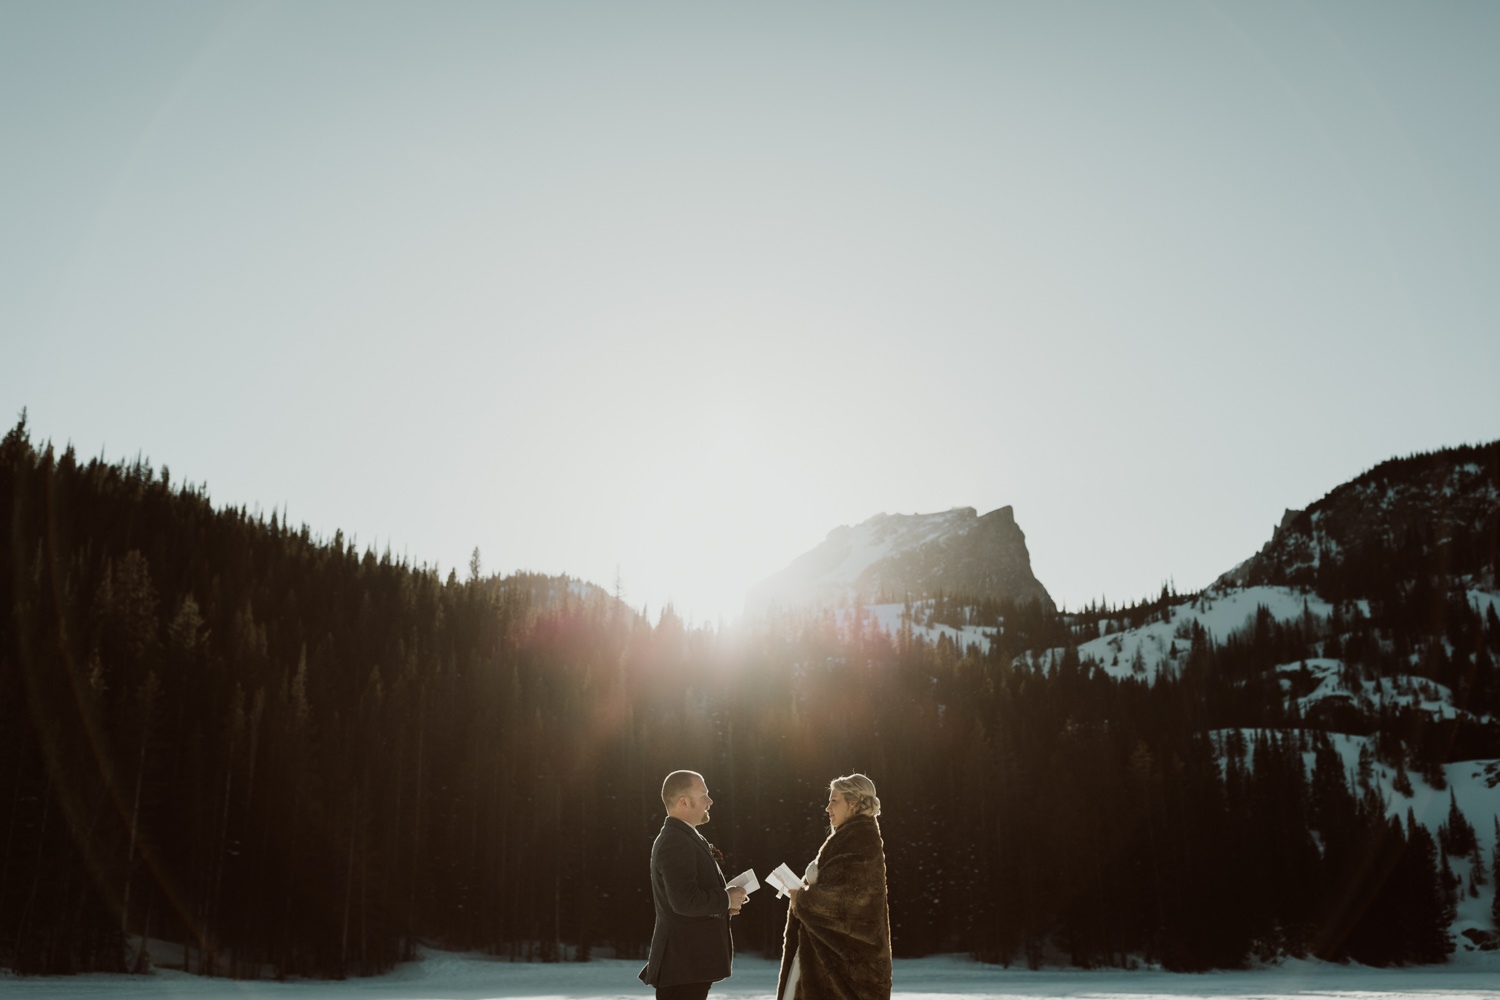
[{"x": 838, "y": 928}]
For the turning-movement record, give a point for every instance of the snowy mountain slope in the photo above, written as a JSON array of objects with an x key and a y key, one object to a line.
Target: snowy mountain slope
[
  {"x": 1219, "y": 611},
  {"x": 892, "y": 556},
  {"x": 1164, "y": 641}
]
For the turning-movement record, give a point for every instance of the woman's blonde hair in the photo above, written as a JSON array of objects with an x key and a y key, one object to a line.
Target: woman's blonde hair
[{"x": 859, "y": 792}]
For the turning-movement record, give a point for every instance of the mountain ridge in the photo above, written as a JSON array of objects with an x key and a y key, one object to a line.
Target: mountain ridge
[{"x": 1440, "y": 508}]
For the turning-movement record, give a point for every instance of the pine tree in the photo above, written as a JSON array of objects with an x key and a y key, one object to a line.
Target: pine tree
[
  {"x": 1402, "y": 782},
  {"x": 1478, "y": 871},
  {"x": 1366, "y": 765},
  {"x": 1408, "y": 918},
  {"x": 1456, "y": 834},
  {"x": 1495, "y": 867}
]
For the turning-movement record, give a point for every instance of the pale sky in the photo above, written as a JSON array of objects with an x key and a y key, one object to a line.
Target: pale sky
[{"x": 673, "y": 289}]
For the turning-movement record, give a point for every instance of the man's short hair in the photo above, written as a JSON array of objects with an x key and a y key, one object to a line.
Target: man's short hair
[{"x": 678, "y": 784}]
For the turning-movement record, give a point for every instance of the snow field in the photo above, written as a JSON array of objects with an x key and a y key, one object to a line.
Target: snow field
[{"x": 448, "y": 976}]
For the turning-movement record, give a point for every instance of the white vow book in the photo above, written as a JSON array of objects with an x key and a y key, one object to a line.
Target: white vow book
[
  {"x": 745, "y": 880},
  {"x": 783, "y": 880}
]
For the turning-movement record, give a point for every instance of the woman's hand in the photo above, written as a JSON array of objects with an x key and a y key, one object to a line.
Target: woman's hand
[{"x": 792, "y": 895}]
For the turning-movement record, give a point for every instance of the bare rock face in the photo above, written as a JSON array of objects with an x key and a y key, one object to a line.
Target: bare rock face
[{"x": 893, "y": 556}]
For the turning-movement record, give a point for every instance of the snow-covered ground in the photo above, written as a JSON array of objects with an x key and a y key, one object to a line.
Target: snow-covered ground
[{"x": 445, "y": 976}]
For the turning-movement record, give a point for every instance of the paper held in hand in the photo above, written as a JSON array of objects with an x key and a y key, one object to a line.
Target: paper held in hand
[
  {"x": 783, "y": 880},
  {"x": 745, "y": 880}
]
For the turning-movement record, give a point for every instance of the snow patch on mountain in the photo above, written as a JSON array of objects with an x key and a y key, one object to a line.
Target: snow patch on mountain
[
  {"x": 1484, "y": 602},
  {"x": 1330, "y": 684},
  {"x": 864, "y": 545}
]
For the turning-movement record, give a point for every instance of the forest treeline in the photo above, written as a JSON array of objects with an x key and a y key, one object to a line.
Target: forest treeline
[{"x": 296, "y": 758}]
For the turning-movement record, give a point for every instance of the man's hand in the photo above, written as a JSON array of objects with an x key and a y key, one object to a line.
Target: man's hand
[
  {"x": 737, "y": 897},
  {"x": 792, "y": 897}
]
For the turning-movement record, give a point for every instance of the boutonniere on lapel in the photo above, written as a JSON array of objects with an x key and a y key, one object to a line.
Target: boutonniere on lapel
[{"x": 718, "y": 855}]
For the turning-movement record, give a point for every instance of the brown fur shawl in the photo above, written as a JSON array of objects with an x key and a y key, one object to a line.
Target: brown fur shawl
[{"x": 841, "y": 926}]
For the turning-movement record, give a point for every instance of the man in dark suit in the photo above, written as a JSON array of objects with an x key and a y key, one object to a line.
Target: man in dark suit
[{"x": 691, "y": 948}]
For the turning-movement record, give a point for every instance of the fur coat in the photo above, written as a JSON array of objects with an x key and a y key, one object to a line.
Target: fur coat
[{"x": 840, "y": 930}]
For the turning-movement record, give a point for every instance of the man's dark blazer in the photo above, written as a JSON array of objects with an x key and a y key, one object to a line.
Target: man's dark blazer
[{"x": 691, "y": 941}]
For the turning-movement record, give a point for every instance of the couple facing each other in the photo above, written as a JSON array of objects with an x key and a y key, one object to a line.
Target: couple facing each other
[{"x": 838, "y": 929}]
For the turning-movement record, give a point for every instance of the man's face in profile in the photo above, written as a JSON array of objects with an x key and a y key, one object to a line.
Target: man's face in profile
[{"x": 698, "y": 803}]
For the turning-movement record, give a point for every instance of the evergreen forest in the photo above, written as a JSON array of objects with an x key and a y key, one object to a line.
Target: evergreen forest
[{"x": 296, "y": 758}]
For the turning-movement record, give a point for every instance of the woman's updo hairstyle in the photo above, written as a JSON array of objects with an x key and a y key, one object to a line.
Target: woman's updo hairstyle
[{"x": 859, "y": 792}]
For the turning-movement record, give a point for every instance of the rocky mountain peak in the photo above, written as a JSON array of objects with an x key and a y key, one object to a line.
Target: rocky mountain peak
[{"x": 892, "y": 556}]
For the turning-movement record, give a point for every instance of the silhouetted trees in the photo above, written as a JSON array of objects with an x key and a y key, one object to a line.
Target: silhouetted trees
[{"x": 294, "y": 758}]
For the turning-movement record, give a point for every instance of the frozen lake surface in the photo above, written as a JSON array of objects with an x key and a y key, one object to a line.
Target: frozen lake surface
[{"x": 447, "y": 976}]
